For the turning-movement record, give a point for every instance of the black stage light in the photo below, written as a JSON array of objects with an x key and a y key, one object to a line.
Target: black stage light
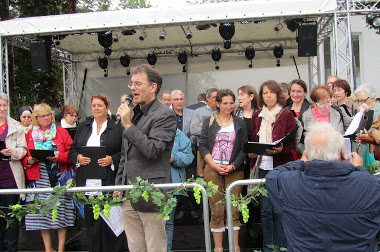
[
  {"x": 293, "y": 24},
  {"x": 103, "y": 63},
  {"x": 227, "y": 44},
  {"x": 107, "y": 51},
  {"x": 250, "y": 53},
  {"x": 152, "y": 58},
  {"x": 278, "y": 51},
  {"x": 216, "y": 54},
  {"x": 105, "y": 39},
  {"x": 125, "y": 61},
  {"x": 128, "y": 32},
  {"x": 182, "y": 57},
  {"x": 184, "y": 69},
  {"x": 227, "y": 30}
]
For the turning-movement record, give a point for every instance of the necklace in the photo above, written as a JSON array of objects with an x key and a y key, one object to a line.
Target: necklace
[{"x": 225, "y": 121}]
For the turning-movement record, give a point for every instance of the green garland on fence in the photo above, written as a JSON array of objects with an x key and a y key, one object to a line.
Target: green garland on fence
[{"x": 141, "y": 189}]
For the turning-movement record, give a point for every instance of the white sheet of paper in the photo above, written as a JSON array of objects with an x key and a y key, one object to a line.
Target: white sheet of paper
[
  {"x": 355, "y": 123},
  {"x": 115, "y": 221},
  {"x": 347, "y": 148}
]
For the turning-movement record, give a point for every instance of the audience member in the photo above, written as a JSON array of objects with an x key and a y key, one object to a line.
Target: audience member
[
  {"x": 148, "y": 138},
  {"x": 184, "y": 115},
  {"x": 269, "y": 124},
  {"x": 326, "y": 203},
  {"x": 221, "y": 145}
]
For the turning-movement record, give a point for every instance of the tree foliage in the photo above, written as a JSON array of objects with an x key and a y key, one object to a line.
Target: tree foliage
[{"x": 134, "y": 4}]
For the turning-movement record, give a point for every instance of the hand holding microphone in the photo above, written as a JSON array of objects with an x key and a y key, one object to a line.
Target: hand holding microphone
[{"x": 124, "y": 109}]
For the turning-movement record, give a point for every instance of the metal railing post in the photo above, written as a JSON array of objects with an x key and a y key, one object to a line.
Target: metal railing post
[
  {"x": 206, "y": 218},
  {"x": 229, "y": 206}
]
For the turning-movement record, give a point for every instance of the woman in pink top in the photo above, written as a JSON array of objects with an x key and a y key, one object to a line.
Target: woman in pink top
[{"x": 321, "y": 111}]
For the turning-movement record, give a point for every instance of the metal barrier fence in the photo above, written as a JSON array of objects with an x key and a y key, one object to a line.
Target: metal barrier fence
[
  {"x": 206, "y": 218},
  {"x": 229, "y": 206}
]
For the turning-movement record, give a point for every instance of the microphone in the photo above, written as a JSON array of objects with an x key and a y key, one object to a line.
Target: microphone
[{"x": 127, "y": 101}]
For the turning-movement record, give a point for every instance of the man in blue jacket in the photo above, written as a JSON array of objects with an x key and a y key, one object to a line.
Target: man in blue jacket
[{"x": 327, "y": 203}]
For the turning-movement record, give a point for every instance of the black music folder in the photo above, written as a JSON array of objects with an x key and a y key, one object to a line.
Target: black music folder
[
  {"x": 2, "y": 156},
  {"x": 93, "y": 170},
  {"x": 72, "y": 132},
  {"x": 259, "y": 148},
  {"x": 41, "y": 155}
]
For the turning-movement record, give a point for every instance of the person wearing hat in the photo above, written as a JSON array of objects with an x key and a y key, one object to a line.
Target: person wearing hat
[{"x": 25, "y": 116}]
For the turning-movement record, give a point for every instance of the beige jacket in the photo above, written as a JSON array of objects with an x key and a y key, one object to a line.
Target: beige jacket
[{"x": 16, "y": 141}]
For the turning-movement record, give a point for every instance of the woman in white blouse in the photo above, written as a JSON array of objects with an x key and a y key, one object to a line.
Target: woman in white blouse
[{"x": 98, "y": 130}]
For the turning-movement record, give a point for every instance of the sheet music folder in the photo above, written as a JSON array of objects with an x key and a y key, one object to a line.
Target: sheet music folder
[
  {"x": 41, "y": 155},
  {"x": 259, "y": 148},
  {"x": 2, "y": 156},
  {"x": 72, "y": 132},
  {"x": 93, "y": 170}
]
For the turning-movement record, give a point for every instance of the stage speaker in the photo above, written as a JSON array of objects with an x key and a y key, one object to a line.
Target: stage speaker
[
  {"x": 41, "y": 56},
  {"x": 307, "y": 40}
]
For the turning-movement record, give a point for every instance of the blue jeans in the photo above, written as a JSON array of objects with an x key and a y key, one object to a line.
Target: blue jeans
[
  {"x": 273, "y": 233},
  {"x": 169, "y": 228}
]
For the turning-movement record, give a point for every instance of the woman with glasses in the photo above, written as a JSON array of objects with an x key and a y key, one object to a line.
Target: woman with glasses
[
  {"x": 366, "y": 97},
  {"x": 69, "y": 116},
  {"x": 11, "y": 173},
  {"x": 269, "y": 124},
  {"x": 298, "y": 92},
  {"x": 342, "y": 91},
  {"x": 98, "y": 130},
  {"x": 221, "y": 145},
  {"x": 45, "y": 135},
  {"x": 321, "y": 111},
  {"x": 25, "y": 116}
]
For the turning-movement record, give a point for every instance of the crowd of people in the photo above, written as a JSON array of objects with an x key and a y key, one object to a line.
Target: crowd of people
[{"x": 158, "y": 139}]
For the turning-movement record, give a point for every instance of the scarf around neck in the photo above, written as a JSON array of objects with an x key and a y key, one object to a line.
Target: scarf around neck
[
  {"x": 269, "y": 117},
  {"x": 43, "y": 139}
]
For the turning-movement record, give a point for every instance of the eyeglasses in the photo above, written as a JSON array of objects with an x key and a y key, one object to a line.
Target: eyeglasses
[
  {"x": 72, "y": 115},
  {"x": 136, "y": 84},
  {"x": 324, "y": 104},
  {"x": 43, "y": 116},
  {"x": 3, "y": 105},
  {"x": 338, "y": 90},
  {"x": 213, "y": 97},
  {"x": 361, "y": 101},
  {"x": 178, "y": 99}
]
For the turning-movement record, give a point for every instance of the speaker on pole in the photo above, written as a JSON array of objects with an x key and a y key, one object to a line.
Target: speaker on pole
[
  {"x": 307, "y": 40},
  {"x": 40, "y": 53}
]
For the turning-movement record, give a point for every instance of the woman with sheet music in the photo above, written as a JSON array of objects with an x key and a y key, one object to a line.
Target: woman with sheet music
[
  {"x": 46, "y": 136},
  {"x": 269, "y": 124},
  {"x": 13, "y": 149},
  {"x": 96, "y": 131}
]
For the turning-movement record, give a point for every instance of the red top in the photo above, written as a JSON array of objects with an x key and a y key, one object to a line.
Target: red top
[
  {"x": 281, "y": 127},
  {"x": 63, "y": 142}
]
